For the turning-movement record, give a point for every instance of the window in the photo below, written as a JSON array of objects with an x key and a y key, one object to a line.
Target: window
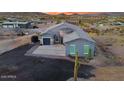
[
  {"x": 72, "y": 49},
  {"x": 86, "y": 49}
]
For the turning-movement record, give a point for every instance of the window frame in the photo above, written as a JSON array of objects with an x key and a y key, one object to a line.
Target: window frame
[
  {"x": 74, "y": 49},
  {"x": 84, "y": 49}
]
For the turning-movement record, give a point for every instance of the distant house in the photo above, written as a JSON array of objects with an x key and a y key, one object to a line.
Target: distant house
[
  {"x": 72, "y": 37},
  {"x": 118, "y": 24},
  {"x": 11, "y": 19},
  {"x": 16, "y": 24}
]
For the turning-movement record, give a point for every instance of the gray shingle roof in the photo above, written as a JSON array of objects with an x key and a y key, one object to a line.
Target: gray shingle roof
[
  {"x": 78, "y": 32},
  {"x": 70, "y": 37},
  {"x": 75, "y": 35}
]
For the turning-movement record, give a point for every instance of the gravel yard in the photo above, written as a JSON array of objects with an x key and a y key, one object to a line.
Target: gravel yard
[{"x": 15, "y": 66}]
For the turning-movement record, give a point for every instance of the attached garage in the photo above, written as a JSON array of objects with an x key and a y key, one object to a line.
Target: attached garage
[{"x": 46, "y": 41}]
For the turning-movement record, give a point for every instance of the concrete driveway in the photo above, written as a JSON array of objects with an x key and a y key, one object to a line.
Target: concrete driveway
[{"x": 50, "y": 50}]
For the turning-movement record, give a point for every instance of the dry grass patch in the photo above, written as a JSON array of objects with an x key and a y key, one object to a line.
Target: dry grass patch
[{"x": 115, "y": 73}]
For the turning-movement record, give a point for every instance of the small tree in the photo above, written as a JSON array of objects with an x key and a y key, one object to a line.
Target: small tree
[{"x": 76, "y": 67}]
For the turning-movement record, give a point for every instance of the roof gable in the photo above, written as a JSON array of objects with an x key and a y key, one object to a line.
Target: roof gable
[{"x": 75, "y": 36}]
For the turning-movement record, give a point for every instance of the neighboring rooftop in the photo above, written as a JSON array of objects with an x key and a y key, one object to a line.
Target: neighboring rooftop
[{"x": 14, "y": 22}]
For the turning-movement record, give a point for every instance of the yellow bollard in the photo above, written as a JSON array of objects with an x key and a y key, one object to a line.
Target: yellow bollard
[{"x": 76, "y": 67}]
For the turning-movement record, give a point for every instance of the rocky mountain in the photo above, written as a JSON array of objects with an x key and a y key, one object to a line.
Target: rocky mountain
[
  {"x": 18, "y": 14},
  {"x": 88, "y": 13},
  {"x": 104, "y": 14}
]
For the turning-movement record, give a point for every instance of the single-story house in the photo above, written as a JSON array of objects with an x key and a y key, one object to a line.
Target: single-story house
[
  {"x": 118, "y": 24},
  {"x": 16, "y": 24},
  {"x": 72, "y": 37}
]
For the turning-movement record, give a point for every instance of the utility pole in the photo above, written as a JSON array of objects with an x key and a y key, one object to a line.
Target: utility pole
[{"x": 76, "y": 67}]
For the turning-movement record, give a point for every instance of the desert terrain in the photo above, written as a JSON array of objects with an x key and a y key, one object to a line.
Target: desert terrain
[{"x": 106, "y": 29}]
